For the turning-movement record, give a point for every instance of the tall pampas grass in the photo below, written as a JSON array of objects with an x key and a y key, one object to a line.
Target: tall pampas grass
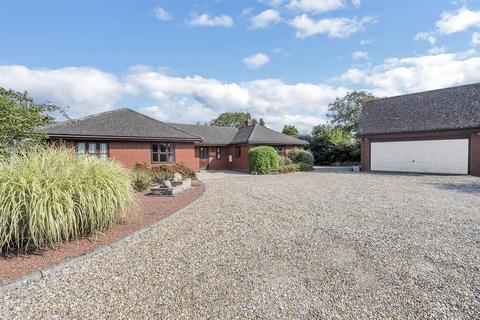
[{"x": 50, "y": 195}]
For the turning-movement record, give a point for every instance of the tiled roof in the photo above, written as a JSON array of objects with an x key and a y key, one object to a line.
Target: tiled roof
[
  {"x": 119, "y": 123},
  {"x": 131, "y": 125},
  {"x": 443, "y": 109},
  {"x": 212, "y": 135},
  {"x": 258, "y": 134}
]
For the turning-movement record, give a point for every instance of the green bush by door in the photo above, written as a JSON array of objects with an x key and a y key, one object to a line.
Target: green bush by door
[{"x": 263, "y": 160}]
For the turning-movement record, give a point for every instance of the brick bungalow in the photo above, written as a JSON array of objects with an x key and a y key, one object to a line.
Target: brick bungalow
[
  {"x": 427, "y": 132},
  {"x": 130, "y": 137}
]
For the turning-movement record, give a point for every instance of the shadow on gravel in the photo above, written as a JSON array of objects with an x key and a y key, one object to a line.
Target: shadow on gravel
[
  {"x": 467, "y": 187},
  {"x": 320, "y": 169}
]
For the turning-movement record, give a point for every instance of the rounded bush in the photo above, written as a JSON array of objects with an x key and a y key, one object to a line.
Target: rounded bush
[
  {"x": 303, "y": 166},
  {"x": 52, "y": 195},
  {"x": 262, "y": 160},
  {"x": 299, "y": 155}
]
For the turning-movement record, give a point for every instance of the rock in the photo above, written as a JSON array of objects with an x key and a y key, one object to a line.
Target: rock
[
  {"x": 167, "y": 183},
  {"x": 177, "y": 176}
]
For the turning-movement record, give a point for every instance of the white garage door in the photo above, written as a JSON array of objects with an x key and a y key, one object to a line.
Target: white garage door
[{"x": 429, "y": 156}]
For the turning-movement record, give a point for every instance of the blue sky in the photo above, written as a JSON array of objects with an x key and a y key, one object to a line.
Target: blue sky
[{"x": 187, "y": 61}]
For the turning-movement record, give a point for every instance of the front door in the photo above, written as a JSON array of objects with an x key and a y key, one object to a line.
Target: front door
[{"x": 203, "y": 158}]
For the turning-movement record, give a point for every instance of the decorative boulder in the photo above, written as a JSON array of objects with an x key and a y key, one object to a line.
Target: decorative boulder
[
  {"x": 167, "y": 184},
  {"x": 177, "y": 176}
]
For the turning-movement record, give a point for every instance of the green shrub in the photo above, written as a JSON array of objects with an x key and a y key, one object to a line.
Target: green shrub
[
  {"x": 283, "y": 161},
  {"x": 303, "y": 166},
  {"x": 184, "y": 170},
  {"x": 262, "y": 160},
  {"x": 287, "y": 168},
  {"x": 166, "y": 171},
  {"x": 299, "y": 155},
  {"x": 141, "y": 180},
  {"x": 162, "y": 172},
  {"x": 52, "y": 195}
]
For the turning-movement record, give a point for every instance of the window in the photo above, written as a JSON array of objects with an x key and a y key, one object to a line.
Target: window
[
  {"x": 203, "y": 153},
  {"x": 94, "y": 149},
  {"x": 280, "y": 150},
  {"x": 238, "y": 151},
  {"x": 163, "y": 152},
  {"x": 218, "y": 153}
]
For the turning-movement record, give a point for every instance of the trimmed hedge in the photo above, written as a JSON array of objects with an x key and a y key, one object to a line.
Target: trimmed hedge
[
  {"x": 299, "y": 155},
  {"x": 262, "y": 160}
]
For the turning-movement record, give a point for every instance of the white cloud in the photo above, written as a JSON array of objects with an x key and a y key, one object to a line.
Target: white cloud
[
  {"x": 463, "y": 19},
  {"x": 192, "y": 99},
  {"x": 475, "y": 39},
  {"x": 412, "y": 74},
  {"x": 162, "y": 14},
  {"x": 195, "y": 98},
  {"x": 183, "y": 99},
  {"x": 356, "y": 55},
  {"x": 216, "y": 21},
  {"x": 83, "y": 90},
  {"x": 364, "y": 42},
  {"x": 265, "y": 19},
  {"x": 436, "y": 50},
  {"x": 332, "y": 27},
  {"x": 256, "y": 61},
  {"x": 356, "y": 3},
  {"x": 166, "y": 89},
  {"x": 272, "y": 3},
  {"x": 316, "y": 6},
  {"x": 426, "y": 36}
]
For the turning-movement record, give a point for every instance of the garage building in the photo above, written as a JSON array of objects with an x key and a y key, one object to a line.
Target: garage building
[{"x": 427, "y": 132}]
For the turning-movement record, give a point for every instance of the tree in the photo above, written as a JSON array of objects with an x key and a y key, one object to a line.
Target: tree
[
  {"x": 20, "y": 118},
  {"x": 331, "y": 144},
  {"x": 261, "y": 122},
  {"x": 345, "y": 112},
  {"x": 290, "y": 130},
  {"x": 233, "y": 119}
]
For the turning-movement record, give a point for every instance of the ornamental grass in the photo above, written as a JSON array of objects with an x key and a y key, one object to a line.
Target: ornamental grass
[{"x": 50, "y": 195}]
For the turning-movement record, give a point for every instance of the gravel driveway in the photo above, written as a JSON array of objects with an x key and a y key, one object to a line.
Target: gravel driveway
[{"x": 307, "y": 245}]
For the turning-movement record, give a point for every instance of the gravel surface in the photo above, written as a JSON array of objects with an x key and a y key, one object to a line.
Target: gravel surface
[
  {"x": 333, "y": 245},
  {"x": 149, "y": 210}
]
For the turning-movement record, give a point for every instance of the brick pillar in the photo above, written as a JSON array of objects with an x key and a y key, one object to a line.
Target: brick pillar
[
  {"x": 475, "y": 154},
  {"x": 365, "y": 154}
]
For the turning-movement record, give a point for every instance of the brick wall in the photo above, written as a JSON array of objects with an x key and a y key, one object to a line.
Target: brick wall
[
  {"x": 475, "y": 154},
  {"x": 213, "y": 162},
  {"x": 129, "y": 153},
  {"x": 240, "y": 163}
]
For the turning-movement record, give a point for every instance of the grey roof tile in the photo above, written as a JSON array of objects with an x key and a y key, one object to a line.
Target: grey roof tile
[
  {"x": 212, "y": 135},
  {"x": 443, "y": 109},
  {"x": 119, "y": 123},
  {"x": 132, "y": 125},
  {"x": 258, "y": 134}
]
